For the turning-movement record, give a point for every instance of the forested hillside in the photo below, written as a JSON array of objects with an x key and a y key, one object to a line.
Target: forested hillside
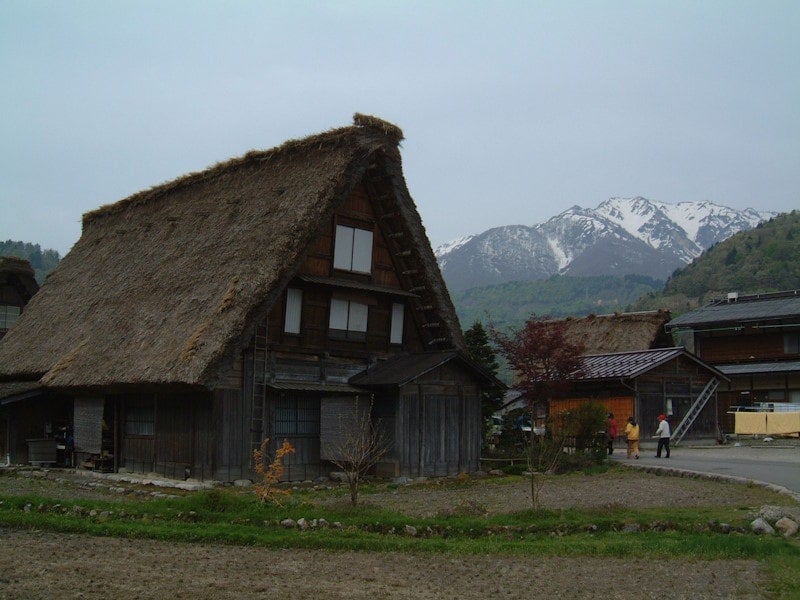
[
  {"x": 42, "y": 261},
  {"x": 764, "y": 259},
  {"x": 558, "y": 296}
]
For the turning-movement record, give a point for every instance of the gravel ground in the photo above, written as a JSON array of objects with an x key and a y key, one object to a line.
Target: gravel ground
[{"x": 36, "y": 564}]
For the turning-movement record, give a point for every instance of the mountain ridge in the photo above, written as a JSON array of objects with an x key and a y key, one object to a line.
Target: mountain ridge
[{"x": 621, "y": 236}]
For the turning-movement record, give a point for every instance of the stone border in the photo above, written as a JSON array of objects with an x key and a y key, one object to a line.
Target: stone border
[{"x": 674, "y": 471}]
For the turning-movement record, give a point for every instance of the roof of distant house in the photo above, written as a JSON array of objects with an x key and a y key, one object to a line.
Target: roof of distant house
[
  {"x": 741, "y": 310},
  {"x": 619, "y": 332},
  {"x": 628, "y": 365}
]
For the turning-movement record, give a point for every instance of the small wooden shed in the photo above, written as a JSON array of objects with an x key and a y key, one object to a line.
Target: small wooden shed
[
  {"x": 430, "y": 404},
  {"x": 645, "y": 384}
]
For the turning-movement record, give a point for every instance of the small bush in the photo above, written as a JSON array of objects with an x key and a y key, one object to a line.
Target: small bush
[
  {"x": 515, "y": 469},
  {"x": 213, "y": 500}
]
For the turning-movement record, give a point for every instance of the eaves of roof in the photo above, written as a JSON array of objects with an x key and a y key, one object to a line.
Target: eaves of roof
[
  {"x": 739, "y": 313},
  {"x": 341, "y": 282},
  {"x": 784, "y": 366}
]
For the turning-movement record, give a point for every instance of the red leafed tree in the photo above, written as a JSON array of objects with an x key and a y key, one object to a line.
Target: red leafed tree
[{"x": 544, "y": 361}]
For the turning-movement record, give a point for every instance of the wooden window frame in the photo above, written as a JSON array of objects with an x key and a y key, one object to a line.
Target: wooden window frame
[
  {"x": 397, "y": 325},
  {"x": 353, "y": 249},
  {"x": 293, "y": 313},
  {"x": 351, "y": 319}
]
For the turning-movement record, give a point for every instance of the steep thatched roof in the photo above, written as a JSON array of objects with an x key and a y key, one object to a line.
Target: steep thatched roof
[
  {"x": 620, "y": 332},
  {"x": 166, "y": 285},
  {"x": 20, "y": 273}
]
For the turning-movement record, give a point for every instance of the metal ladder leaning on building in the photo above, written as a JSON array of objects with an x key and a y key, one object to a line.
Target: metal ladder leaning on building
[{"x": 695, "y": 410}]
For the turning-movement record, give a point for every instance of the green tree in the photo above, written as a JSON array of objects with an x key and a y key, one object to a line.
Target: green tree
[{"x": 482, "y": 352}]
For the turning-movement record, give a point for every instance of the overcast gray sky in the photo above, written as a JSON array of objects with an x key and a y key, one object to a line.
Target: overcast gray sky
[{"x": 512, "y": 111}]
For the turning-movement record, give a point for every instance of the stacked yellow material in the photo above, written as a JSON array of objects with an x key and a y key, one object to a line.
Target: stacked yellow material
[
  {"x": 783, "y": 423},
  {"x": 764, "y": 423},
  {"x": 750, "y": 423}
]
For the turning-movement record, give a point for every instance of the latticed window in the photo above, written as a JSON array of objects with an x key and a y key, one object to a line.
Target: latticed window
[
  {"x": 296, "y": 415},
  {"x": 8, "y": 315},
  {"x": 140, "y": 420}
]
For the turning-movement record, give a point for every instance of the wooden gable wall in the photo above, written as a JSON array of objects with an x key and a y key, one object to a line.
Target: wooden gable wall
[{"x": 356, "y": 211}]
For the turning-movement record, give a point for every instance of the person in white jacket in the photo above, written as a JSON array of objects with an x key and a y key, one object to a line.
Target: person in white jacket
[{"x": 662, "y": 433}]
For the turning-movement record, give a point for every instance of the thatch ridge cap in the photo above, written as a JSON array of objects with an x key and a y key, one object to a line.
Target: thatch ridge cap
[
  {"x": 334, "y": 136},
  {"x": 15, "y": 264}
]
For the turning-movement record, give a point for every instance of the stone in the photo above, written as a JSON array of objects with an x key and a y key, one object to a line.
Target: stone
[
  {"x": 27, "y": 508},
  {"x": 289, "y": 523},
  {"x": 725, "y": 527},
  {"x": 302, "y": 523},
  {"x": 772, "y": 513},
  {"x": 631, "y": 528},
  {"x": 340, "y": 476},
  {"x": 403, "y": 480},
  {"x": 786, "y": 527},
  {"x": 496, "y": 472},
  {"x": 242, "y": 483},
  {"x": 761, "y": 527},
  {"x": 410, "y": 530}
]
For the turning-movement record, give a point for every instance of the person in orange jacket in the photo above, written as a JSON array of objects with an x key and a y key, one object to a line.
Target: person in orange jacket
[{"x": 632, "y": 433}]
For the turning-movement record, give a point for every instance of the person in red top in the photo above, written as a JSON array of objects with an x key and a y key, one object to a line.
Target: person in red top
[{"x": 611, "y": 432}]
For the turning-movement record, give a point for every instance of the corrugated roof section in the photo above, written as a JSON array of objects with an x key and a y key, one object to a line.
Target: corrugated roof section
[
  {"x": 625, "y": 364},
  {"x": 402, "y": 368},
  {"x": 772, "y": 307},
  {"x": 356, "y": 285},
  {"x": 786, "y": 366},
  {"x": 12, "y": 391},
  {"x": 306, "y": 386}
]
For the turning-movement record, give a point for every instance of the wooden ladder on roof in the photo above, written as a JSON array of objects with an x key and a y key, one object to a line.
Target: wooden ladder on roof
[
  {"x": 410, "y": 265},
  {"x": 259, "y": 386},
  {"x": 694, "y": 411}
]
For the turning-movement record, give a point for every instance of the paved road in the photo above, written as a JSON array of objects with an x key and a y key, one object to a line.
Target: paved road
[{"x": 777, "y": 465}]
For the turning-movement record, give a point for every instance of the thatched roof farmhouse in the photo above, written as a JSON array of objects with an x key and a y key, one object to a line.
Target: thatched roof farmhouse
[
  {"x": 619, "y": 332},
  {"x": 209, "y": 298},
  {"x": 17, "y": 287}
]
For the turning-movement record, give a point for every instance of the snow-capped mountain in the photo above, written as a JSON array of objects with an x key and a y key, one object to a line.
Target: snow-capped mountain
[{"x": 621, "y": 236}]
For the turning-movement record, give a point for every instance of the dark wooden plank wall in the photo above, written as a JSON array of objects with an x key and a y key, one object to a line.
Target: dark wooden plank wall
[
  {"x": 438, "y": 424},
  {"x": 681, "y": 380},
  {"x": 183, "y": 440},
  {"x": 184, "y": 436},
  {"x": 232, "y": 454},
  {"x": 748, "y": 346},
  {"x": 137, "y": 452}
]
